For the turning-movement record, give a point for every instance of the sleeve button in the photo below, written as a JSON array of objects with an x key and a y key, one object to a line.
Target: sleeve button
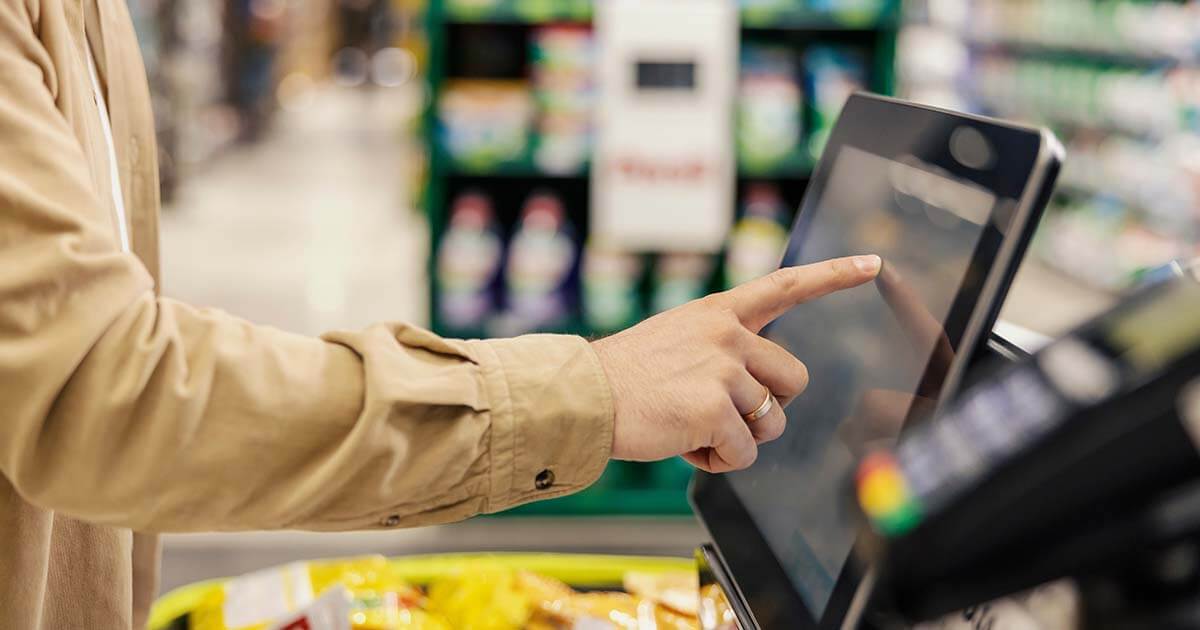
[
  {"x": 544, "y": 479},
  {"x": 391, "y": 521}
]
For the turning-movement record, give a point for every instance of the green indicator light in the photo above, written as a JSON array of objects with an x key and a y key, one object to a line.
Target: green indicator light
[{"x": 899, "y": 521}]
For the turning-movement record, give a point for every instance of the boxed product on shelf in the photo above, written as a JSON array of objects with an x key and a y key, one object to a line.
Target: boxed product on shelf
[
  {"x": 611, "y": 280},
  {"x": 561, "y": 59},
  {"x": 1102, "y": 243},
  {"x": 758, "y": 238},
  {"x": 832, "y": 74},
  {"x": 1139, "y": 29},
  {"x": 678, "y": 278},
  {"x": 483, "y": 122},
  {"x": 770, "y": 108},
  {"x": 1150, "y": 102},
  {"x": 1160, "y": 181}
]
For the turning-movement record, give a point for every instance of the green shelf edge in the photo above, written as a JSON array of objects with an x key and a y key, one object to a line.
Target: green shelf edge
[
  {"x": 887, "y": 16},
  {"x": 623, "y": 502},
  {"x": 520, "y": 170},
  {"x": 796, "y": 165},
  {"x": 1063, "y": 52}
]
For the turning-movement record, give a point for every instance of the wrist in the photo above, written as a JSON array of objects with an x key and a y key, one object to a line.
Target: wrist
[{"x": 600, "y": 348}]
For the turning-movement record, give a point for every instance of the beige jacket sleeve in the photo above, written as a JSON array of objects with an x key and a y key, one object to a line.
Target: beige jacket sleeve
[{"x": 127, "y": 409}]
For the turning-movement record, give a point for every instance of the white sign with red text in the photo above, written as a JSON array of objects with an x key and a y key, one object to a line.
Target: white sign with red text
[{"x": 664, "y": 167}]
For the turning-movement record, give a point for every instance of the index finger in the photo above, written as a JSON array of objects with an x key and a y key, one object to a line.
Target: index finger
[{"x": 758, "y": 302}]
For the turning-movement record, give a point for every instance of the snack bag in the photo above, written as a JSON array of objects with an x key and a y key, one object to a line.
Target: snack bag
[
  {"x": 375, "y": 598},
  {"x": 560, "y": 607},
  {"x": 679, "y": 592},
  {"x": 481, "y": 596},
  {"x": 330, "y": 611}
]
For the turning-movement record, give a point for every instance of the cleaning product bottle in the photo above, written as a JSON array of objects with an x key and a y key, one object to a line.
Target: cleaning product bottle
[
  {"x": 770, "y": 107},
  {"x": 832, "y": 74},
  {"x": 611, "y": 296},
  {"x": 541, "y": 265},
  {"x": 680, "y": 278},
  {"x": 759, "y": 237},
  {"x": 468, "y": 266}
]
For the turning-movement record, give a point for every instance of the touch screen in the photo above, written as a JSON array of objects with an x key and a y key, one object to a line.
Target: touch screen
[{"x": 873, "y": 353}]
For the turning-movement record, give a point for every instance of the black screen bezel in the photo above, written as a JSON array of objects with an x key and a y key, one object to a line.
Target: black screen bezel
[{"x": 888, "y": 128}]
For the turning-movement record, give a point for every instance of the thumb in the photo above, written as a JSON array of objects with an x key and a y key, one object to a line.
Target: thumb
[{"x": 758, "y": 302}]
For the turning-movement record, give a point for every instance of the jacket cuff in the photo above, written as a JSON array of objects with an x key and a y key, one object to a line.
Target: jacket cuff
[{"x": 552, "y": 417}]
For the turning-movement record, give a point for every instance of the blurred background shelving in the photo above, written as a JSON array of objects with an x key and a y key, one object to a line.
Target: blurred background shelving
[
  {"x": 500, "y": 119},
  {"x": 509, "y": 131},
  {"x": 1118, "y": 81}
]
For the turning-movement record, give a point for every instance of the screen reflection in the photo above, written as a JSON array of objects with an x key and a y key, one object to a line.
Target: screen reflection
[{"x": 873, "y": 353}]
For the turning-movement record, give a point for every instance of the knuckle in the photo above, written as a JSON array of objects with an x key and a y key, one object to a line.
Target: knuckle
[
  {"x": 784, "y": 280},
  {"x": 729, "y": 373},
  {"x": 725, "y": 327},
  {"x": 715, "y": 401},
  {"x": 715, "y": 302}
]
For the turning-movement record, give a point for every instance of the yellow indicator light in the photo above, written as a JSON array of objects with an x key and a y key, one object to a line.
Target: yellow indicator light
[{"x": 882, "y": 492}]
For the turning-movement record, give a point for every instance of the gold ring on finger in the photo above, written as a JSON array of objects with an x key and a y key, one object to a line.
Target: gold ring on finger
[{"x": 762, "y": 410}]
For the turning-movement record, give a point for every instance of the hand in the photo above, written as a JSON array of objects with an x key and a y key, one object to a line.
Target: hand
[{"x": 682, "y": 379}]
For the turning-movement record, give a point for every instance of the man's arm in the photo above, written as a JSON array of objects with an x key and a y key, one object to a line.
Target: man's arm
[{"x": 123, "y": 408}]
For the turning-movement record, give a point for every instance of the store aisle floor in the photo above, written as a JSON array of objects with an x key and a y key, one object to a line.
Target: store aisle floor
[{"x": 308, "y": 230}]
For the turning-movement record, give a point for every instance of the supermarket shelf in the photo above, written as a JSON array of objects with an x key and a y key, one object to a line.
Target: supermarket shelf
[
  {"x": 788, "y": 18},
  {"x": 796, "y": 18},
  {"x": 1072, "y": 52},
  {"x": 1065, "y": 126},
  {"x": 519, "y": 11},
  {"x": 798, "y": 165},
  {"x": 624, "y": 502},
  {"x": 1084, "y": 190},
  {"x": 520, "y": 167},
  {"x": 652, "y": 489},
  {"x": 524, "y": 169},
  {"x": 1140, "y": 209}
]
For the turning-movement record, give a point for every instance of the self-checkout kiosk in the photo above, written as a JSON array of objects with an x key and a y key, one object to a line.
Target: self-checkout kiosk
[{"x": 1074, "y": 463}]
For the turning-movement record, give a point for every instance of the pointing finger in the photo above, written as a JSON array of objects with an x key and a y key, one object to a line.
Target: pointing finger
[{"x": 758, "y": 302}]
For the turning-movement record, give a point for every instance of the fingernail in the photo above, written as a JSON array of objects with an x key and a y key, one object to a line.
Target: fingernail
[{"x": 868, "y": 264}]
